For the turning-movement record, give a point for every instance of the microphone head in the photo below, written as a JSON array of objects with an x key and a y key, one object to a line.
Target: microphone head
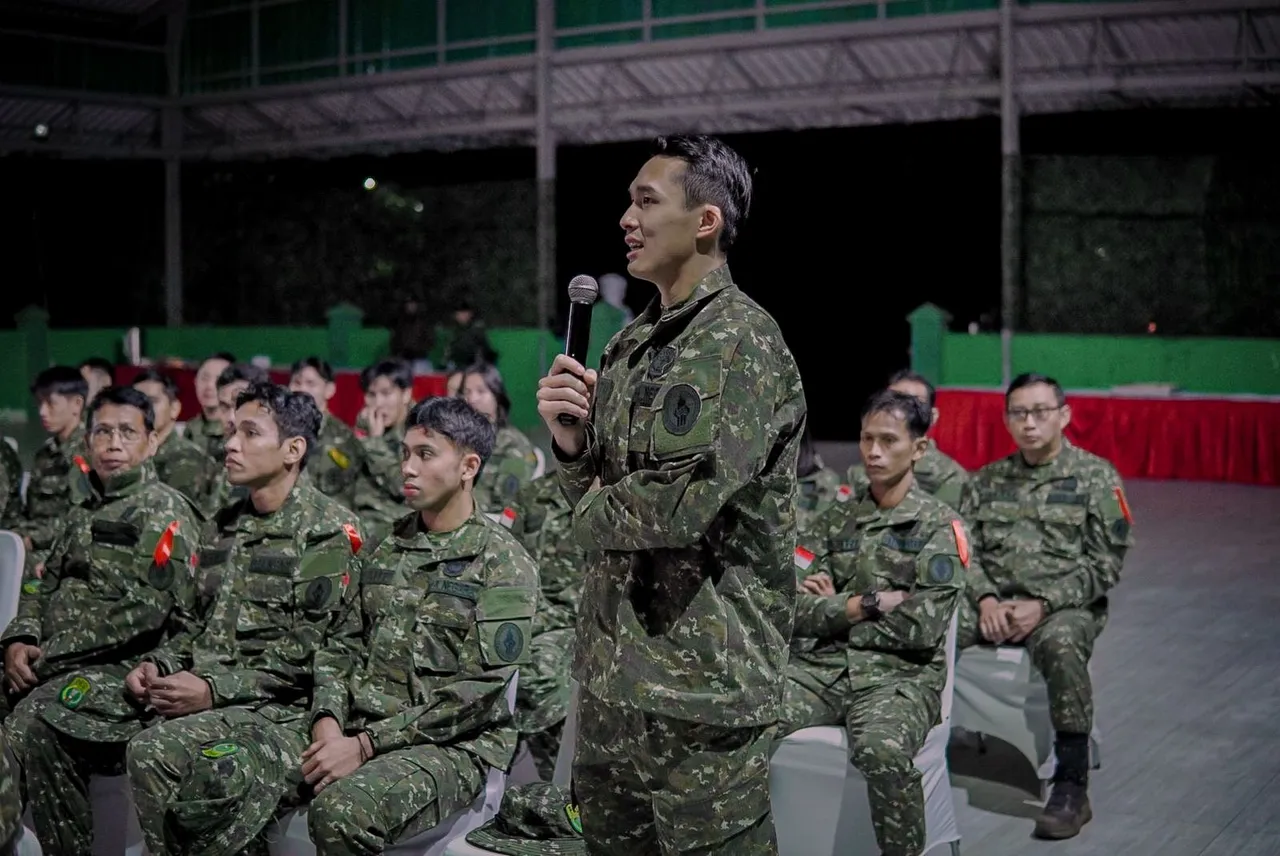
[{"x": 583, "y": 289}]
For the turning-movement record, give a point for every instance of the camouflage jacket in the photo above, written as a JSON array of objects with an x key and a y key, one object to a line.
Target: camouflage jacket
[
  {"x": 688, "y": 599},
  {"x": 936, "y": 473},
  {"x": 335, "y": 464},
  {"x": 57, "y": 484},
  {"x": 447, "y": 619},
  {"x": 544, "y": 524},
  {"x": 1058, "y": 532},
  {"x": 182, "y": 465},
  {"x": 117, "y": 581},
  {"x": 818, "y": 491},
  {"x": 509, "y": 468},
  {"x": 378, "y": 497},
  {"x": 208, "y": 436},
  {"x": 10, "y": 486},
  {"x": 274, "y": 590},
  {"x": 919, "y": 547},
  {"x": 10, "y": 800}
]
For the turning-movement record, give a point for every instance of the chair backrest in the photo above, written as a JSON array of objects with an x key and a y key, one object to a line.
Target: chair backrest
[
  {"x": 26, "y": 482},
  {"x": 541, "y": 469},
  {"x": 12, "y": 557},
  {"x": 949, "y": 688}
]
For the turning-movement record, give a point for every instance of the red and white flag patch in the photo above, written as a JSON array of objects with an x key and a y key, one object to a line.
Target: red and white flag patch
[
  {"x": 508, "y": 517},
  {"x": 844, "y": 493},
  {"x": 804, "y": 558}
]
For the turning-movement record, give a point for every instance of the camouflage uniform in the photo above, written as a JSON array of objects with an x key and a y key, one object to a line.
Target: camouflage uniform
[
  {"x": 936, "y": 473},
  {"x": 117, "y": 584},
  {"x": 183, "y": 465},
  {"x": 818, "y": 490},
  {"x": 1057, "y": 532},
  {"x": 336, "y": 463},
  {"x": 534, "y": 820},
  {"x": 10, "y": 486},
  {"x": 208, "y": 436},
  {"x": 377, "y": 493},
  {"x": 449, "y": 616},
  {"x": 881, "y": 679},
  {"x": 544, "y": 524},
  {"x": 278, "y": 587},
  {"x": 56, "y": 485},
  {"x": 509, "y": 468},
  {"x": 687, "y": 607},
  {"x": 10, "y": 801}
]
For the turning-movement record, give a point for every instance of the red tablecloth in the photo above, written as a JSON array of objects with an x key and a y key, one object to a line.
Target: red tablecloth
[
  {"x": 346, "y": 402},
  {"x": 1210, "y": 439}
]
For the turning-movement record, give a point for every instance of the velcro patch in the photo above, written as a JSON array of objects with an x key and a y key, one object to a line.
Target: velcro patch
[
  {"x": 378, "y": 576},
  {"x": 645, "y": 393},
  {"x": 114, "y": 532},
  {"x": 273, "y": 564},
  {"x": 454, "y": 588},
  {"x": 213, "y": 556},
  {"x": 843, "y": 545},
  {"x": 1058, "y": 498}
]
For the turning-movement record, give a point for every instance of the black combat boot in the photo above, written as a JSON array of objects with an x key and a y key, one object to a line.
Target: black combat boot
[{"x": 1067, "y": 810}]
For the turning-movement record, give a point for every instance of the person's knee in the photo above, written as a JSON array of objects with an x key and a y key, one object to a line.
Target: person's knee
[
  {"x": 880, "y": 756},
  {"x": 1065, "y": 639},
  {"x": 342, "y": 813}
]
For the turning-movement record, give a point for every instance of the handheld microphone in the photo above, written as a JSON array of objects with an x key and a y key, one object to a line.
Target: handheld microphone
[{"x": 583, "y": 291}]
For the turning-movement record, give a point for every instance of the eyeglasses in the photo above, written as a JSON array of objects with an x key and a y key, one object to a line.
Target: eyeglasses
[
  {"x": 103, "y": 434},
  {"x": 1039, "y": 414}
]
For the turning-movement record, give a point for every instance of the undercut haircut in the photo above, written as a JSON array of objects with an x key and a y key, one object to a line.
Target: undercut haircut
[
  {"x": 124, "y": 396},
  {"x": 295, "y": 413},
  {"x": 910, "y": 409},
  {"x": 459, "y": 422},
  {"x": 1031, "y": 379},
  {"x": 60, "y": 380},
  {"x": 714, "y": 174}
]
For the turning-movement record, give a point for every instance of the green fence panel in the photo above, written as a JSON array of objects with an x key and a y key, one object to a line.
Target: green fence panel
[
  {"x": 386, "y": 26},
  {"x": 519, "y": 352},
  {"x": 215, "y": 46},
  {"x": 15, "y": 380},
  {"x": 468, "y": 20}
]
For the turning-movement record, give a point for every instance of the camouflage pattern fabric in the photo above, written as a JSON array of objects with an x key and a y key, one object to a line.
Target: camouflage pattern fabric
[
  {"x": 446, "y": 618},
  {"x": 508, "y": 469},
  {"x": 650, "y": 784},
  {"x": 57, "y": 483},
  {"x": 10, "y": 801},
  {"x": 936, "y": 473},
  {"x": 881, "y": 679},
  {"x": 335, "y": 465},
  {"x": 694, "y": 434},
  {"x": 543, "y": 696},
  {"x": 1057, "y": 532},
  {"x": 10, "y": 486},
  {"x": 534, "y": 820},
  {"x": 182, "y": 465},
  {"x": 377, "y": 493},
  {"x": 818, "y": 491},
  {"x": 209, "y": 436},
  {"x": 279, "y": 598}
]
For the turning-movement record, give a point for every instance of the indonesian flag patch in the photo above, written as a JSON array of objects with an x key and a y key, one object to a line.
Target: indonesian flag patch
[
  {"x": 164, "y": 547},
  {"x": 508, "y": 517},
  {"x": 844, "y": 493},
  {"x": 804, "y": 558}
]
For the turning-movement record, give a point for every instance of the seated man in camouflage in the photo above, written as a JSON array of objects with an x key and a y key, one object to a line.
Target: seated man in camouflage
[
  {"x": 935, "y": 472},
  {"x": 447, "y": 603},
  {"x": 179, "y": 462},
  {"x": 59, "y": 467},
  {"x": 1051, "y": 526},
  {"x": 543, "y": 521},
  {"x": 279, "y": 578},
  {"x": 116, "y": 585},
  {"x": 388, "y": 395},
  {"x": 216, "y": 491},
  {"x": 886, "y": 571},
  {"x": 337, "y": 461}
]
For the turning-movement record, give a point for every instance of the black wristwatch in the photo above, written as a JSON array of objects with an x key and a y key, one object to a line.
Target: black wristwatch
[{"x": 871, "y": 606}]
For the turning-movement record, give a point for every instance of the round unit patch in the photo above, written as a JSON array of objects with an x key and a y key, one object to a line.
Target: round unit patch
[
  {"x": 681, "y": 409},
  {"x": 454, "y": 568},
  {"x": 160, "y": 576},
  {"x": 318, "y": 593},
  {"x": 508, "y": 642},
  {"x": 941, "y": 569}
]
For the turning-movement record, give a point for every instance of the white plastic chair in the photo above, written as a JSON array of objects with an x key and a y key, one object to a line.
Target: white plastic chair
[
  {"x": 13, "y": 555},
  {"x": 541, "y": 468},
  {"x": 290, "y": 837},
  {"x": 1000, "y": 693},
  {"x": 820, "y": 804}
]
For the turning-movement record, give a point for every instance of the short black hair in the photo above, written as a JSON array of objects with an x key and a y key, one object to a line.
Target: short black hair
[
  {"x": 465, "y": 426},
  {"x": 807, "y": 462},
  {"x": 1031, "y": 379},
  {"x": 321, "y": 366},
  {"x": 295, "y": 413},
  {"x": 225, "y": 356},
  {"x": 911, "y": 409},
  {"x": 246, "y": 372},
  {"x": 124, "y": 396},
  {"x": 153, "y": 375},
  {"x": 60, "y": 380},
  {"x": 98, "y": 364},
  {"x": 493, "y": 379},
  {"x": 908, "y": 375},
  {"x": 398, "y": 372},
  {"x": 714, "y": 174}
]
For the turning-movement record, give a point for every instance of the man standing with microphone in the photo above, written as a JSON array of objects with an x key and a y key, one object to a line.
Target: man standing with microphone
[{"x": 681, "y": 465}]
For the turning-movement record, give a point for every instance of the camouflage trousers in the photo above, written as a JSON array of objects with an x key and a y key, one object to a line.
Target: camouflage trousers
[
  {"x": 887, "y": 726},
  {"x": 649, "y": 785},
  {"x": 209, "y": 783},
  {"x": 10, "y": 801},
  {"x": 392, "y": 798},
  {"x": 542, "y": 697},
  {"x": 1060, "y": 647}
]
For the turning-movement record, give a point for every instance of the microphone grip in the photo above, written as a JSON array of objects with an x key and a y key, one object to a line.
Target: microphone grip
[{"x": 576, "y": 340}]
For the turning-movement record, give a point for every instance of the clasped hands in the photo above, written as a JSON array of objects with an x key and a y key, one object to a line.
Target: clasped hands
[
  {"x": 1009, "y": 620},
  {"x": 179, "y": 694}
]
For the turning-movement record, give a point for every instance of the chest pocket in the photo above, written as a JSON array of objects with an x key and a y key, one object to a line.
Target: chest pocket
[
  {"x": 1062, "y": 520},
  {"x": 445, "y": 615},
  {"x": 266, "y": 593},
  {"x": 112, "y": 550},
  {"x": 685, "y": 413}
]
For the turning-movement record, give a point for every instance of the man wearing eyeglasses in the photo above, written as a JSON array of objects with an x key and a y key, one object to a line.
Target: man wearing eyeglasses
[
  {"x": 117, "y": 584},
  {"x": 1051, "y": 527}
]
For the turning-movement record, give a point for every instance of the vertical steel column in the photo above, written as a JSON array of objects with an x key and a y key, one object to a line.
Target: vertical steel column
[{"x": 1011, "y": 190}]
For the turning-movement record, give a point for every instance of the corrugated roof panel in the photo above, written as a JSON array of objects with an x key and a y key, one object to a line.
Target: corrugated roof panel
[{"x": 787, "y": 68}]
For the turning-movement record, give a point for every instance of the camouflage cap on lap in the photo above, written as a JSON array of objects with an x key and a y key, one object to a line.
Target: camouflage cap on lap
[{"x": 534, "y": 820}]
